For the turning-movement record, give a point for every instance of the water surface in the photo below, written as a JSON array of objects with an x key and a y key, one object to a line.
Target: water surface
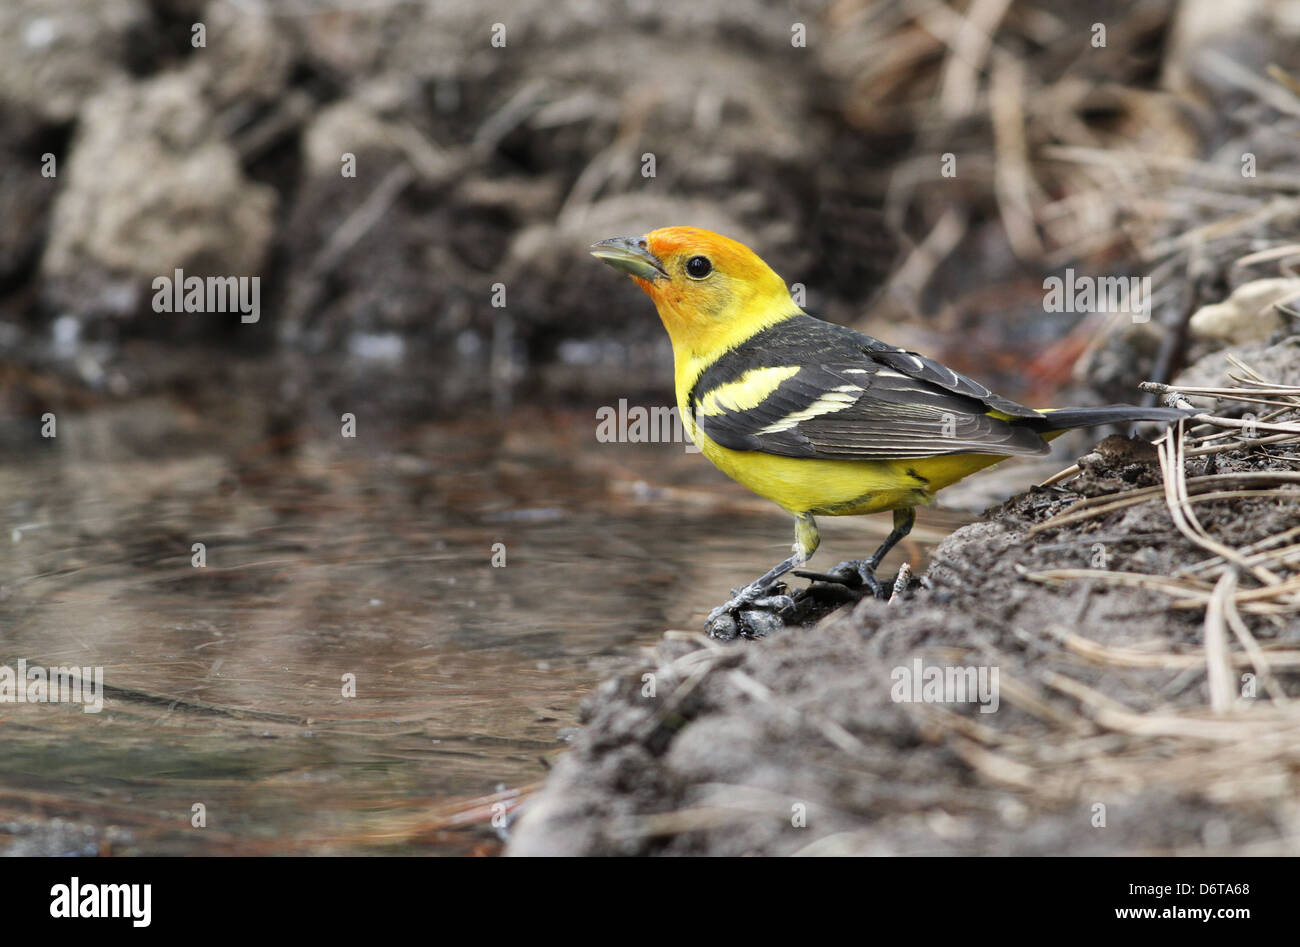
[{"x": 329, "y": 556}]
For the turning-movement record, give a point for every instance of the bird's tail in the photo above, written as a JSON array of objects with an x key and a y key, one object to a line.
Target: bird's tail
[{"x": 1063, "y": 419}]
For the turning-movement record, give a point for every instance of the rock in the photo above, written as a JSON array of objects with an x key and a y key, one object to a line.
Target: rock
[
  {"x": 1248, "y": 315},
  {"x": 246, "y": 59},
  {"x": 371, "y": 121},
  {"x": 1279, "y": 363},
  {"x": 54, "y": 54},
  {"x": 148, "y": 189}
]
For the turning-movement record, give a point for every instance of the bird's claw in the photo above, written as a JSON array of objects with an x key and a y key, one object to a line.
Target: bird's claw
[
  {"x": 854, "y": 574},
  {"x": 753, "y": 611}
]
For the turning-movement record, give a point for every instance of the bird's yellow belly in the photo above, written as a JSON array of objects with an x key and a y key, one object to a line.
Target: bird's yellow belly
[{"x": 841, "y": 487}]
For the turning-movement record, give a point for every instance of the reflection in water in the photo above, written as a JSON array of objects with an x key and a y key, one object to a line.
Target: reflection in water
[{"x": 327, "y": 557}]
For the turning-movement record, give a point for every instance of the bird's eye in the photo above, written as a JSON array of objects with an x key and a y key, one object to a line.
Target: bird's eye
[{"x": 698, "y": 267}]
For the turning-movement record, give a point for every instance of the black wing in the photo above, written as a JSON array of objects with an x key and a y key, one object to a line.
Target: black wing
[{"x": 807, "y": 388}]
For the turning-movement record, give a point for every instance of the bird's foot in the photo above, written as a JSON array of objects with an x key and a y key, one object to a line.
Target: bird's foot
[
  {"x": 859, "y": 575},
  {"x": 753, "y": 612},
  {"x": 855, "y": 574}
]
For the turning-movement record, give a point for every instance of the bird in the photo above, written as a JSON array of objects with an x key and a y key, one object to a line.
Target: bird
[{"x": 816, "y": 417}]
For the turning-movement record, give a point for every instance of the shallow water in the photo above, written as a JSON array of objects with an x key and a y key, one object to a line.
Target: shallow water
[{"x": 325, "y": 557}]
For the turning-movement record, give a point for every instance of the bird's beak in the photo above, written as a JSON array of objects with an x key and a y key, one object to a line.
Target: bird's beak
[{"x": 630, "y": 255}]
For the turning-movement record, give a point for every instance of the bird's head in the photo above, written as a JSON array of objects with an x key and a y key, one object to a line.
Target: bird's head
[{"x": 708, "y": 288}]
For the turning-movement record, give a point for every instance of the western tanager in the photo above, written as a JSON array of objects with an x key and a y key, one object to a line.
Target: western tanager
[{"x": 816, "y": 417}]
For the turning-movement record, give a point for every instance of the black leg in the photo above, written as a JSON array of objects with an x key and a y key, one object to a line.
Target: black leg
[
  {"x": 904, "y": 520},
  {"x": 863, "y": 572}
]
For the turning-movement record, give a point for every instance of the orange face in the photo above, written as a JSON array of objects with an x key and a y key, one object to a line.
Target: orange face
[{"x": 704, "y": 285}]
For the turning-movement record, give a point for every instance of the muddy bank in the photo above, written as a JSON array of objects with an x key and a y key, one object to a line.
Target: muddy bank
[{"x": 1125, "y": 720}]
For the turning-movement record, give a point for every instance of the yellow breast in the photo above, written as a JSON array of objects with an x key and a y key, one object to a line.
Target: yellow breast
[{"x": 841, "y": 487}]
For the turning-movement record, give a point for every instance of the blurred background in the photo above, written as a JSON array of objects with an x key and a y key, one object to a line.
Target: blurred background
[{"x": 415, "y": 186}]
